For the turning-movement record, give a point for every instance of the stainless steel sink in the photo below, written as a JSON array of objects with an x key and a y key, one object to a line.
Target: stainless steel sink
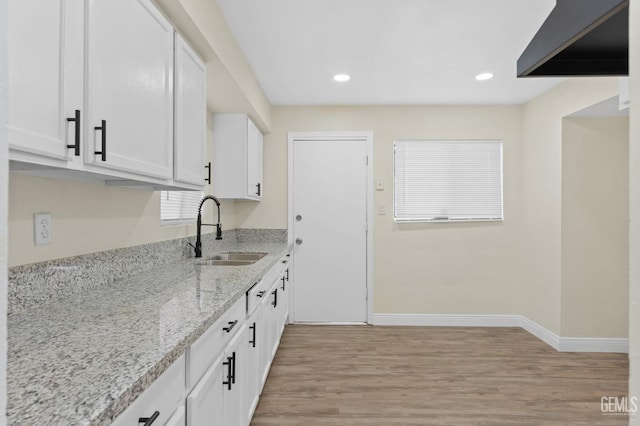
[{"x": 232, "y": 259}]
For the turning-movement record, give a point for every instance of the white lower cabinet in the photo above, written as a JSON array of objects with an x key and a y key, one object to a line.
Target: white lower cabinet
[
  {"x": 223, "y": 373},
  {"x": 268, "y": 333},
  {"x": 218, "y": 372},
  {"x": 229, "y": 364},
  {"x": 235, "y": 383},
  {"x": 219, "y": 396},
  {"x": 254, "y": 343},
  {"x": 205, "y": 402}
]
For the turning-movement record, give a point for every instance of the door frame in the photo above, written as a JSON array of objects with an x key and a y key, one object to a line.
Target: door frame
[{"x": 338, "y": 136}]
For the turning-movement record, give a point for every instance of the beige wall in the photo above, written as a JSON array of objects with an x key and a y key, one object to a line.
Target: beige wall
[
  {"x": 595, "y": 227},
  {"x": 418, "y": 268},
  {"x": 634, "y": 201},
  {"x": 541, "y": 191}
]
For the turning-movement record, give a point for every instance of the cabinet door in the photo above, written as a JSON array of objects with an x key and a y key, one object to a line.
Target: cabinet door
[
  {"x": 254, "y": 343},
  {"x": 205, "y": 402},
  {"x": 190, "y": 114},
  {"x": 130, "y": 88},
  {"x": 268, "y": 332},
  {"x": 45, "y": 49},
  {"x": 235, "y": 406},
  {"x": 283, "y": 302},
  {"x": 254, "y": 161}
]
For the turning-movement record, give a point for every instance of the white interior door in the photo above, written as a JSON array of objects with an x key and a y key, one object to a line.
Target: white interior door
[{"x": 330, "y": 230}]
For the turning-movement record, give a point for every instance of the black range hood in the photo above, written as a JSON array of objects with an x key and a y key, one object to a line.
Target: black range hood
[{"x": 580, "y": 38}]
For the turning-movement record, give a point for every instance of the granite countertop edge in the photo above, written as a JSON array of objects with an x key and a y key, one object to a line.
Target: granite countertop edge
[{"x": 113, "y": 403}]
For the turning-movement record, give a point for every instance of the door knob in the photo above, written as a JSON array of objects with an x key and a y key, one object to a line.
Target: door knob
[
  {"x": 299, "y": 217},
  {"x": 298, "y": 241}
]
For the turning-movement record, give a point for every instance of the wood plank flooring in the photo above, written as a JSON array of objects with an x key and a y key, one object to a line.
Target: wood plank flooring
[{"x": 388, "y": 376}]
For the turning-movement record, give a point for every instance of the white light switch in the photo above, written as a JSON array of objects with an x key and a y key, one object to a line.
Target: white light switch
[
  {"x": 42, "y": 228},
  {"x": 379, "y": 184}
]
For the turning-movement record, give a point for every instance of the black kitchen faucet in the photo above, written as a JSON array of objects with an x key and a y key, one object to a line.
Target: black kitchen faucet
[{"x": 198, "y": 246}]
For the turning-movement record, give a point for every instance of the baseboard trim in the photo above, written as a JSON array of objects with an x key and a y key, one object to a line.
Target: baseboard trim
[
  {"x": 540, "y": 332},
  {"x": 561, "y": 344},
  {"x": 587, "y": 344},
  {"x": 444, "y": 320}
]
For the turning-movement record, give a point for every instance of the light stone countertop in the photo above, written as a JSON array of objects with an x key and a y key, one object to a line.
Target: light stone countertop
[{"x": 84, "y": 359}]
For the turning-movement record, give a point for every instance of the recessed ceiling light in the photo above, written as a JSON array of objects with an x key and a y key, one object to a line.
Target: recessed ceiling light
[
  {"x": 484, "y": 76},
  {"x": 342, "y": 77}
]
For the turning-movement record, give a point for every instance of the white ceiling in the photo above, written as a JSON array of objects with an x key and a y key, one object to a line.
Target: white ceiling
[{"x": 396, "y": 51}]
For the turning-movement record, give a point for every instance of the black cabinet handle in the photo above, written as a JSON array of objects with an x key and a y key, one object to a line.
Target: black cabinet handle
[
  {"x": 259, "y": 187},
  {"x": 287, "y": 272},
  {"x": 252, "y": 342},
  {"x": 230, "y": 327},
  {"x": 233, "y": 368},
  {"x": 228, "y": 364},
  {"x": 103, "y": 152},
  {"x": 283, "y": 281},
  {"x": 275, "y": 297},
  {"x": 76, "y": 144},
  {"x": 260, "y": 293},
  {"x": 148, "y": 421},
  {"x": 208, "y": 179}
]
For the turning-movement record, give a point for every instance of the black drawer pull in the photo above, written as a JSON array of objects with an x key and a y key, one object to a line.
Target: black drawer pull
[
  {"x": 103, "y": 152},
  {"x": 260, "y": 293},
  {"x": 287, "y": 271},
  {"x": 148, "y": 421},
  {"x": 208, "y": 179},
  {"x": 230, "y": 327},
  {"x": 283, "y": 281},
  {"x": 275, "y": 297},
  {"x": 259, "y": 189},
  {"x": 76, "y": 144}
]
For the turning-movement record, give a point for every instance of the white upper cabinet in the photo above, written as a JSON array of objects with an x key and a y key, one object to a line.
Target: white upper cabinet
[
  {"x": 45, "y": 44},
  {"x": 130, "y": 88},
  {"x": 91, "y": 94},
  {"x": 254, "y": 161},
  {"x": 237, "y": 157},
  {"x": 190, "y": 114}
]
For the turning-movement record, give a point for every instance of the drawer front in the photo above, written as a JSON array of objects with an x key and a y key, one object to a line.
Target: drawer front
[
  {"x": 165, "y": 396},
  {"x": 209, "y": 346}
]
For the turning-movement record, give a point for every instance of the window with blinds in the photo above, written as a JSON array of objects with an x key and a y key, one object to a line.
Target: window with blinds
[
  {"x": 178, "y": 207},
  {"x": 447, "y": 180}
]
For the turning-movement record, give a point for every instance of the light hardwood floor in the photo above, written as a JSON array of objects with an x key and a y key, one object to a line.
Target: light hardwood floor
[{"x": 387, "y": 376}]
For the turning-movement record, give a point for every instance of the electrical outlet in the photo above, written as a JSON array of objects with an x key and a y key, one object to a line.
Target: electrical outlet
[
  {"x": 382, "y": 209},
  {"x": 42, "y": 228}
]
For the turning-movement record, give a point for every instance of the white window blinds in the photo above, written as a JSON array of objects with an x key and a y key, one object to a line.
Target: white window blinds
[
  {"x": 179, "y": 206},
  {"x": 447, "y": 180}
]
